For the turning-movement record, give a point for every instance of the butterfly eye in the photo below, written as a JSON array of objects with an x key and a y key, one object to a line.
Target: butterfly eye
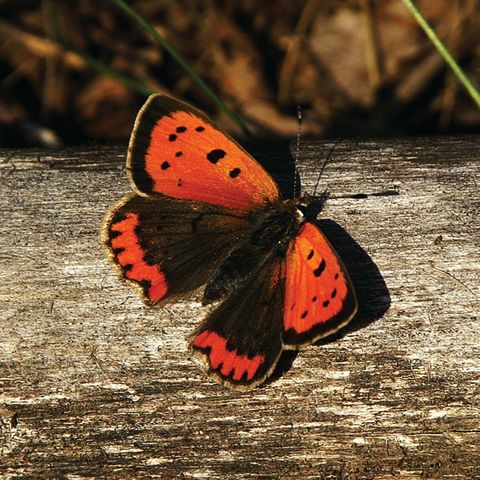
[{"x": 311, "y": 210}]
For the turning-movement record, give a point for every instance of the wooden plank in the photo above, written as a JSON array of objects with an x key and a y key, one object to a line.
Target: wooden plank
[{"x": 93, "y": 384}]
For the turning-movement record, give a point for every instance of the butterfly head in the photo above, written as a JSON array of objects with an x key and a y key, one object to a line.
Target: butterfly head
[{"x": 311, "y": 205}]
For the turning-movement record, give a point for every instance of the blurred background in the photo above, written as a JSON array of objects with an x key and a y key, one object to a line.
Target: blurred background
[{"x": 78, "y": 71}]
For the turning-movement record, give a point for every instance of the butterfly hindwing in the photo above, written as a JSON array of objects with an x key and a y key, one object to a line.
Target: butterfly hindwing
[
  {"x": 319, "y": 295},
  {"x": 175, "y": 150},
  {"x": 168, "y": 246},
  {"x": 240, "y": 341}
]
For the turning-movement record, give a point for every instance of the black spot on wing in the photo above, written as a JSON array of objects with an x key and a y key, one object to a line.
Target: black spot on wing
[
  {"x": 172, "y": 137},
  {"x": 321, "y": 267},
  {"x": 178, "y": 154},
  {"x": 181, "y": 129},
  {"x": 234, "y": 173},
  {"x": 165, "y": 165},
  {"x": 310, "y": 254},
  {"x": 213, "y": 156},
  {"x": 200, "y": 129}
]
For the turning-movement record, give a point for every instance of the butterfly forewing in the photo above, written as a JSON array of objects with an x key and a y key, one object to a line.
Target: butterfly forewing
[
  {"x": 175, "y": 150},
  {"x": 319, "y": 295}
]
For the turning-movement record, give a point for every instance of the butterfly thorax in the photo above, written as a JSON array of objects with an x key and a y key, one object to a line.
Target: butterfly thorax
[{"x": 275, "y": 225}]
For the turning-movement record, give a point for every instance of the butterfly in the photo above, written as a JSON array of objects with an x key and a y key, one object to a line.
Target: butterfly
[{"x": 205, "y": 212}]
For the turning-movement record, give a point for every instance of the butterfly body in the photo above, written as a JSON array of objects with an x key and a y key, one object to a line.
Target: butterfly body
[
  {"x": 204, "y": 212},
  {"x": 268, "y": 233}
]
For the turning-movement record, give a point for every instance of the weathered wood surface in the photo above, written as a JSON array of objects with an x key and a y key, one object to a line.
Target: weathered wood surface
[{"x": 93, "y": 384}]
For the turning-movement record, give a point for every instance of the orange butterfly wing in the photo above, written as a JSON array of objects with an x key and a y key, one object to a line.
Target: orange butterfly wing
[
  {"x": 319, "y": 295},
  {"x": 175, "y": 150}
]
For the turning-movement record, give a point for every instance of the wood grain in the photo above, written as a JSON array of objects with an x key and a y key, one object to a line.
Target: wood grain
[{"x": 93, "y": 384}]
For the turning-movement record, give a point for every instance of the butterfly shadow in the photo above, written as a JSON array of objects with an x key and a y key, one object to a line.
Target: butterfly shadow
[{"x": 372, "y": 293}]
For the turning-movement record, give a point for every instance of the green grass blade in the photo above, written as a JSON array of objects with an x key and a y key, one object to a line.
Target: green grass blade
[
  {"x": 474, "y": 93},
  {"x": 53, "y": 18},
  {"x": 180, "y": 60},
  {"x": 111, "y": 72}
]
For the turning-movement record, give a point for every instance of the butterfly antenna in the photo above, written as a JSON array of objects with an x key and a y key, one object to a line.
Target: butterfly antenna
[
  {"x": 325, "y": 163},
  {"x": 297, "y": 149}
]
